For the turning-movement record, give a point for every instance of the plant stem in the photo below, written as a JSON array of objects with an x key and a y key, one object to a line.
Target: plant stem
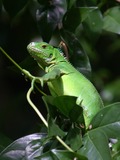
[
  {"x": 31, "y": 103},
  {"x": 25, "y": 72},
  {"x": 11, "y": 59},
  {"x": 34, "y": 107},
  {"x": 43, "y": 119}
]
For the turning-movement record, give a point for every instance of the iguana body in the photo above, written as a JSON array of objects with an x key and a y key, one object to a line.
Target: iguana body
[{"x": 63, "y": 79}]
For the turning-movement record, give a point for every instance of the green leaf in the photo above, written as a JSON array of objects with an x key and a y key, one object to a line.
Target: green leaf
[
  {"x": 36, "y": 146},
  {"x": 67, "y": 106},
  {"x": 53, "y": 128},
  {"x": 112, "y": 20},
  {"x": 49, "y": 102},
  {"x": 27, "y": 147},
  {"x": 13, "y": 6},
  {"x": 61, "y": 155},
  {"x": 116, "y": 150},
  {"x": 95, "y": 144},
  {"x": 92, "y": 22},
  {"x": 49, "y": 16},
  {"x": 74, "y": 138},
  {"x": 117, "y": 156},
  {"x": 72, "y": 15},
  {"x": 4, "y": 141},
  {"x": 84, "y": 3},
  {"x": 108, "y": 120},
  {"x": 105, "y": 125},
  {"x": 76, "y": 115},
  {"x": 65, "y": 155},
  {"x": 78, "y": 57},
  {"x": 70, "y": 3}
]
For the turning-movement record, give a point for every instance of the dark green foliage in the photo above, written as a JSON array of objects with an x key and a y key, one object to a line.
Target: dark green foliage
[{"x": 89, "y": 28}]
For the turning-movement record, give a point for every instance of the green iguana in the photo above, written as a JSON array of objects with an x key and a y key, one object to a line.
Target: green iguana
[{"x": 63, "y": 79}]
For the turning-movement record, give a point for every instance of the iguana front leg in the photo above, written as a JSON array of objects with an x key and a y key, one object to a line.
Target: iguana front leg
[{"x": 55, "y": 73}]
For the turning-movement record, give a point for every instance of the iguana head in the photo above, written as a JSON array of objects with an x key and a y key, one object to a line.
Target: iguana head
[{"x": 44, "y": 53}]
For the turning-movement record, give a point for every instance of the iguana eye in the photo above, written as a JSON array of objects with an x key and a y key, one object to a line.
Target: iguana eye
[{"x": 44, "y": 46}]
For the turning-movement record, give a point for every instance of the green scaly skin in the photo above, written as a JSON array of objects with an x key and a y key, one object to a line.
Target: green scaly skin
[{"x": 63, "y": 79}]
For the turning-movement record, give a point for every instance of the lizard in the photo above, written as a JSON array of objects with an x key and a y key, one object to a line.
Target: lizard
[{"x": 63, "y": 79}]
